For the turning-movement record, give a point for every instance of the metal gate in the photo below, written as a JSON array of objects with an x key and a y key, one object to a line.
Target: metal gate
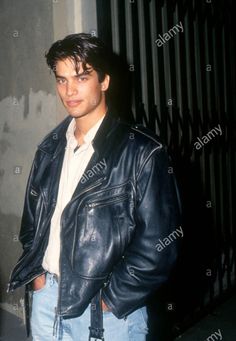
[{"x": 181, "y": 58}]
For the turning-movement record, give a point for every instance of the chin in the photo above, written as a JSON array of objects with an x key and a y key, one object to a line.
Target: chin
[{"x": 75, "y": 114}]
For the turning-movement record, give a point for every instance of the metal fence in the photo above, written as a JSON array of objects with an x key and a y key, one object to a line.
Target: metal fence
[{"x": 181, "y": 58}]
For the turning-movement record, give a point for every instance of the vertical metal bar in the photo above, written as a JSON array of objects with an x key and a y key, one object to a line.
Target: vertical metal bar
[
  {"x": 115, "y": 26},
  {"x": 199, "y": 66},
  {"x": 178, "y": 65},
  {"x": 203, "y": 99},
  {"x": 129, "y": 32},
  {"x": 165, "y": 28},
  {"x": 104, "y": 21},
  {"x": 162, "y": 118},
  {"x": 136, "y": 58},
  {"x": 154, "y": 51},
  {"x": 143, "y": 56},
  {"x": 156, "y": 77}
]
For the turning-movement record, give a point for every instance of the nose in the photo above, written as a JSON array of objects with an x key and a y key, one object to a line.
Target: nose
[{"x": 71, "y": 89}]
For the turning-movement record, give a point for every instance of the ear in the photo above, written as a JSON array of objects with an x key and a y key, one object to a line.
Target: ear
[{"x": 105, "y": 83}]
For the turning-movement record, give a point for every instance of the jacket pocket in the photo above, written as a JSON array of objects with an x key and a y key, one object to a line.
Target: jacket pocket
[{"x": 98, "y": 242}]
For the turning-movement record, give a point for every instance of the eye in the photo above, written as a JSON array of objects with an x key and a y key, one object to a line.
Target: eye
[
  {"x": 82, "y": 78},
  {"x": 60, "y": 80}
]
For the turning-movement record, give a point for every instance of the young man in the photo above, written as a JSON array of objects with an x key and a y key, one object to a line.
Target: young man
[{"x": 99, "y": 200}]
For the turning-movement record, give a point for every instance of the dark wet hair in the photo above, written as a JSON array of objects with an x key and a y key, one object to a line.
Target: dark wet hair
[{"x": 84, "y": 48}]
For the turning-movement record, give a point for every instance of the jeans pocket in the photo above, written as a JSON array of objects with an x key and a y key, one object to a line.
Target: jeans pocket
[
  {"x": 138, "y": 321},
  {"x": 144, "y": 316}
]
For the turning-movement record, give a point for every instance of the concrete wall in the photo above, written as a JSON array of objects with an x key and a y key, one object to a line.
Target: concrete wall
[{"x": 29, "y": 107}]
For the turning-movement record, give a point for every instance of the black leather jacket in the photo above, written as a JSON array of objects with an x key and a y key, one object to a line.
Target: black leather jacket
[{"x": 112, "y": 225}]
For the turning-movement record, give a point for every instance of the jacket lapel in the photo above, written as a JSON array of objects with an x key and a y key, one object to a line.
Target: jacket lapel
[
  {"x": 96, "y": 169},
  {"x": 54, "y": 146}
]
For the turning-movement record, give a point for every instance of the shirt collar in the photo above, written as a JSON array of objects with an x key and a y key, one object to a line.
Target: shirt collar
[{"x": 88, "y": 137}]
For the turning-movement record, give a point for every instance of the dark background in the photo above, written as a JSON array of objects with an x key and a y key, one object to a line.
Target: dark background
[{"x": 182, "y": 90}]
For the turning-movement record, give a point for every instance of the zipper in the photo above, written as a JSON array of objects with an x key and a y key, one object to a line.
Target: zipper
[
  {"x": 105, "y": 202},
  {"x": 35, "y": 277},
  {"x": 9, "y": 282},
  {"x": 39, "y": 218},
  {"x": 49, "y": 218},
  {"x": 34, "y": 193},
  {"x": 97, "y": 183},
  {"x": 57, "y": 310},
  {"x": 27, "y": 282}
]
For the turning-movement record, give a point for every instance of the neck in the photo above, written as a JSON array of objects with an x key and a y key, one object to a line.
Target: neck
[{"x": 85, "y": 123}]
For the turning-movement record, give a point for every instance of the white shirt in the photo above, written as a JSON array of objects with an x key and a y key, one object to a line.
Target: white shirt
[{"x": 74, "y": 165}]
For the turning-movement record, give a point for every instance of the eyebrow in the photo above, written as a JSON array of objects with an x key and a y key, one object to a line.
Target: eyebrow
[
  {"x": 58, "y": 76},
  {"x": 84, "y": 73}
]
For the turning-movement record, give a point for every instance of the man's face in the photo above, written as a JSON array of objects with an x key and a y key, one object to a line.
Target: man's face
[{"x": 81, "y": 93}]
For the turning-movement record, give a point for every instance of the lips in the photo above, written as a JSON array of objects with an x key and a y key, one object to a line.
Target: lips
[{"x": 73, "y": 103}]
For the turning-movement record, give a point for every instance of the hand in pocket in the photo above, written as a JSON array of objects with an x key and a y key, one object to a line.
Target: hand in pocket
[
  {"x": 105, "y": 307},
  {"x": 39, "y": 282}
]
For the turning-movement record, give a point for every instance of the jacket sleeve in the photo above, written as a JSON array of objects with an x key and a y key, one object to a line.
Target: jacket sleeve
[
  {"x": 27, "y": 230},
  {"x": 148, "y": 260}
]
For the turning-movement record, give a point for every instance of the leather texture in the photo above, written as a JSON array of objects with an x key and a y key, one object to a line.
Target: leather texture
[{"x": 112, "y": 224}]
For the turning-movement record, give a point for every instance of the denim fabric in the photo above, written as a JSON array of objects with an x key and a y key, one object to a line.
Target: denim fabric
[{"x": 133, "y": 328}]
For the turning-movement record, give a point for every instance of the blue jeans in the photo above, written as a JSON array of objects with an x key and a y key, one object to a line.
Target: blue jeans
[{"x": 133, "y": 328}]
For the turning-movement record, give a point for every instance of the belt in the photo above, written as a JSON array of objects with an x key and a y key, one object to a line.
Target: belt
[{"x": 96, "y": 325}]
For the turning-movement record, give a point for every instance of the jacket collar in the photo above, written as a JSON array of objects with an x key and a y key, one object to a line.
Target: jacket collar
[
  {"x": 105, "y": 130},
  {"x": 55, "y": 141},
  {"x": 96, "y": 170}
]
